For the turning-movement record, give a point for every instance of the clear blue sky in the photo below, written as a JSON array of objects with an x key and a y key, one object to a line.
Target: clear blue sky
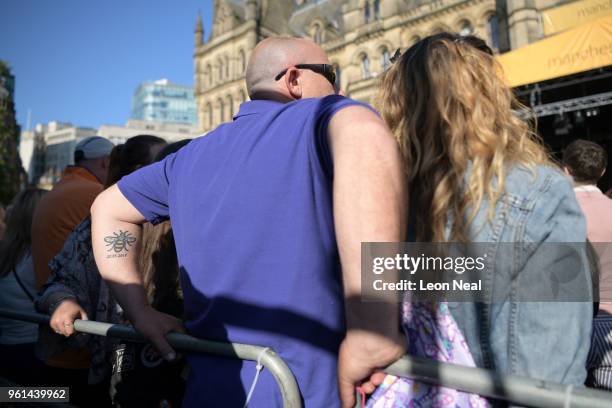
[{"x": 79, "y": 61}]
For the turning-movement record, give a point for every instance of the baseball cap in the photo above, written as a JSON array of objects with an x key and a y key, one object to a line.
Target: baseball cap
[{"x": 92, "y": 147}]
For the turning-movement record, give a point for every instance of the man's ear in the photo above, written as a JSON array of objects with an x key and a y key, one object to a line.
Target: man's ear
[{"x": 293, "y": 82}]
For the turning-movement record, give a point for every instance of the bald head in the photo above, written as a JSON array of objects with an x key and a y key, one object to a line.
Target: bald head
[{"x": 272, "y": 55}]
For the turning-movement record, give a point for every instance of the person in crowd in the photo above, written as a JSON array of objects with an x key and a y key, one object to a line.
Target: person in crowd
[
  {"x": 59, "y": 212},
  {"x": 74, "y": 289},
  {"x": 69, "y": 201},
  {"x": 268, "y": 241},
  {"x": 17, "y": 290},
  {"x": 586, "y": 163},
  {"x": 476, "y": 172}
]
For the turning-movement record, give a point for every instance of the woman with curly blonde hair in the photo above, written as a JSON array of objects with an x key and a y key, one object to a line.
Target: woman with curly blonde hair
[
  {"x": 477, "y": 173},
  {"x": 449, "y": 109}
]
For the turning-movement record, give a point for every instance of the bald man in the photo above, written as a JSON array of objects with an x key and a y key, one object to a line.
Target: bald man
[{"x": 269, "y": 212}]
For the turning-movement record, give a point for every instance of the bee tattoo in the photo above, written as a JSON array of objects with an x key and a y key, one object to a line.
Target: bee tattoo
[{"x": 119, "y": 242}]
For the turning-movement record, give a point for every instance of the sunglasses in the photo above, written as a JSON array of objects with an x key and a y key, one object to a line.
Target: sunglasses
[
  {"x": 470, "y": 40},
  {"x": 327, "y": 70}
]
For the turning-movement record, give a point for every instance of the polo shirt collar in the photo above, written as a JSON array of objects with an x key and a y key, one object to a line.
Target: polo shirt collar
[{"x": 256, "y": 107}]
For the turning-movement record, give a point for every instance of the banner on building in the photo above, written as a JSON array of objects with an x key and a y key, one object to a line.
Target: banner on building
[
  {"x": 574, "y": 14},
  {"x": 583, "y": 48}
]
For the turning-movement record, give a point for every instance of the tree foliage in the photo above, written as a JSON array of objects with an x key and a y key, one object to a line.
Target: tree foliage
[{"x": 10, "y": 164}]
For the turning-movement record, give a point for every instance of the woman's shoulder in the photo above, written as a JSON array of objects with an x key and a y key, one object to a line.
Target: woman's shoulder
[
  {"x": 529, "y": 184},
  {"x": 546, "y": 196}
]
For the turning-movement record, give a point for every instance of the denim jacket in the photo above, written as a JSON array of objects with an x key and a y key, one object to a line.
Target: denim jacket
[{"x": 542, "y": 340}]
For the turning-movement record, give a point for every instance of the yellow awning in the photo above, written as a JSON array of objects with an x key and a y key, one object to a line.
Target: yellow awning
[
  {"x": 583, "y": 48},
  {"x": 571, "y": 15}
]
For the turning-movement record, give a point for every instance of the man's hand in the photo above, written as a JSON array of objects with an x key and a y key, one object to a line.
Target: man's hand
[
  {"x": 358, "y": 368},
  {"x": 154, "y": 326},
  {"x": 62, "y": 319}
]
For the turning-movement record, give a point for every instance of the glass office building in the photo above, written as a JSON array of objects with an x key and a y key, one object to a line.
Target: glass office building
[{"x": 164, "y": 101}]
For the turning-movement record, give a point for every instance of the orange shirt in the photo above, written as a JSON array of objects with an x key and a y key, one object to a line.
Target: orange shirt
[{"x": 57, "y": 214}]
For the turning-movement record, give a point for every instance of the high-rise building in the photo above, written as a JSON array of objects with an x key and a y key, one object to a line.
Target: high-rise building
[{"x": 164, "y": 101}]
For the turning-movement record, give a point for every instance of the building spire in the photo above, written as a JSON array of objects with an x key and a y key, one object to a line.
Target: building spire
[{"x": 199, "y": 30}]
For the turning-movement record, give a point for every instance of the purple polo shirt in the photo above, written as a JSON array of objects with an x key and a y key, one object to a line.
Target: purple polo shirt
[{"x": 251, "y": 211}]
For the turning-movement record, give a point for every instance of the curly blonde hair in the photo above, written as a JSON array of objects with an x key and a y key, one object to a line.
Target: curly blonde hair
[{"x": 447, "y": 104}]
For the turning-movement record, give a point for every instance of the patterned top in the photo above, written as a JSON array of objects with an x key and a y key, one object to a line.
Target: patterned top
[
  {"x": 74, "y": 275},
  {"x": 432, "y": 333}
]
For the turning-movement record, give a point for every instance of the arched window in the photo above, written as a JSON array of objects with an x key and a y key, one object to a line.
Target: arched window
[
  {"x": 465, "y": 28},
  {"x": 493, "y": 24},
  {"x": 365, "y": 66},
  {"x": 230, "y": 105},
  {"x": 221, "y": 110},
  {"x": 227, "y": 67},
  {"x": 199, "y": 85},
  {"x": 242, "y": 60},
  {"x": 384, "y": 58},
  {"x": 220, "y": 70},
  {"x": 376, "y": 9},
  {"x": 366, "y": 12},
  {"x": 209, "y": 111},
  {"x": 209, "y": 75}
]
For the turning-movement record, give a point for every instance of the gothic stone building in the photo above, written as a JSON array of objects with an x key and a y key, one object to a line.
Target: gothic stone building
[{"x": 358, "y": 35}]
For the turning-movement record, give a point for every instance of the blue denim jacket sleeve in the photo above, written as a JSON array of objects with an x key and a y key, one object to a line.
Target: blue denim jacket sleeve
[{"x": 546, "y": 340}]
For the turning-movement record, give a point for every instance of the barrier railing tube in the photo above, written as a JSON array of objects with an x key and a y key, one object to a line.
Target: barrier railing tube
[
  {"x": 512, "y": 388},
  {"x": 269, "y": 359}
]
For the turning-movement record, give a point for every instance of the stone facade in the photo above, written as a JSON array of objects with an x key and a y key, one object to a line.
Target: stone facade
[{"x": 359, "y": 35}]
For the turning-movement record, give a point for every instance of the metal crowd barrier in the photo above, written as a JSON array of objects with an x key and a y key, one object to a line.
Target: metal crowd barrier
[
  {"x": 269, "y": 359},
  {"x": 513, "y": 389}
]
